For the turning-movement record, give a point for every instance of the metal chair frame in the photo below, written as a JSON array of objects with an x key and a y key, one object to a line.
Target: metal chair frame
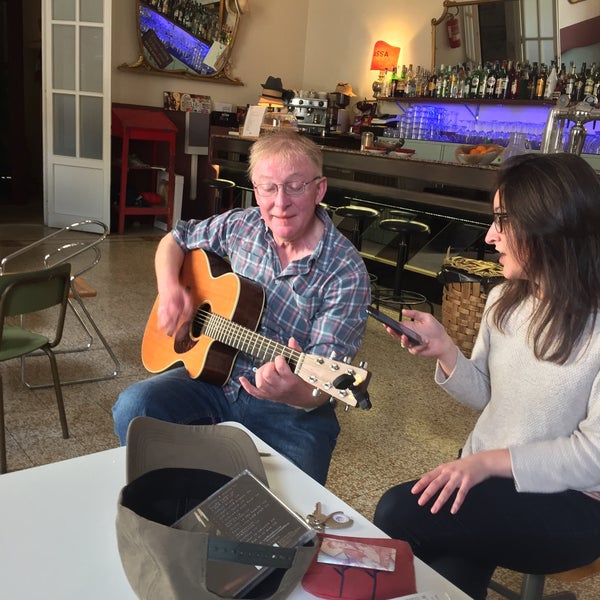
[
  {"x": 65, "y": 253},
  {"x": 532, "y": 588},
  {"x": 24, "y": 293}
]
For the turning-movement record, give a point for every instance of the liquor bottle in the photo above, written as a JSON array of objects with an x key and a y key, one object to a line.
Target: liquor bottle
[
  {"x": 571, "y": 79},
  {"x": 393, "y": 82},
  {"x": 524, "y": 81},
  {"x": 432, "y": 85},
  {"x": 588, "y": 89},
  {"x": 561, "y": 82},
  {"x": 439, "y": 82},
  {"x": 551, "y": 82},
  {"x": 385, "y": 86},
  {"x": 531, "y": 84},
  {"x": 420, "y": 82},
  {"x": 540, "y": 82},
  {"x": 475, "y": 82},
  {"x": 464, "y": 82},
  {"x": 411, "y": 85},
  {"x": 483, "y": 81},
  {"x": 446, "y": 81},
  {"x": 579, "y": 85},
  {"x": 401, "y": 85},
  {"x": 490, "y": 85},
  {"x": 501, "y": 82},
  {"x": 452, "y": 91},
  {"x": 596, "y": 91},
  {"x": 512, "y": 83}
]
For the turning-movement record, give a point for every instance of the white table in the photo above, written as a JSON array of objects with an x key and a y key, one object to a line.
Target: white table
[{"x": 57, "y": 527}]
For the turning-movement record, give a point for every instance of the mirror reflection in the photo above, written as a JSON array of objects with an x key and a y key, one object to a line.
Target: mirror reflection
[
  {"x": 490, "y": 30},
  {"x": 187, "y": 38}
]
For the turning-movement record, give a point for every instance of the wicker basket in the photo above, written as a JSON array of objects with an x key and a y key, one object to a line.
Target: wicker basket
[{"x": 463, "y": 301}]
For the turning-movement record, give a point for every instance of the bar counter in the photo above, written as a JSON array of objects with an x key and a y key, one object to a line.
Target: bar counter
[
  {"x": 423, "y": 183},
  {"x": 452, "y": 198}
]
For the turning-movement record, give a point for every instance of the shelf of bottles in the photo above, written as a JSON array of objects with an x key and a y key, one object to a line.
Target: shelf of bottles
[
  {"x": 421, "y": 95},
  {"x": 492, "y": 82}
]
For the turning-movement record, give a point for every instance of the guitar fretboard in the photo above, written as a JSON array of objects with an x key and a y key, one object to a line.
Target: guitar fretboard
[{"x": 245, "y": 340}]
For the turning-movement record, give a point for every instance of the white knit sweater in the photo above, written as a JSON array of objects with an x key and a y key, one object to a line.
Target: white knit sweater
[{"x": 547, "y": 415}]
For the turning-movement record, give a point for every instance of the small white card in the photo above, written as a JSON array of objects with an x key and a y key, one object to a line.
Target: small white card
[
  {"x": 214, "y": 55},
  {"x": 253, "y": 121}
]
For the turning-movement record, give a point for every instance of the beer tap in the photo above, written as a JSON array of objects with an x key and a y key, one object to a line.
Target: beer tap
[{"x": 580, "y": 113}]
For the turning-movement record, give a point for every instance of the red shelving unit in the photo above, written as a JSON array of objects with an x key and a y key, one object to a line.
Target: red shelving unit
[{"x": 154, "y": 127}]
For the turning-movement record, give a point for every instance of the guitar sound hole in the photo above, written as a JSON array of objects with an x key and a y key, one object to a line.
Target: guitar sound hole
[
  {"x": 200, "y": 321},
  {"x": 183, "y": 342}
]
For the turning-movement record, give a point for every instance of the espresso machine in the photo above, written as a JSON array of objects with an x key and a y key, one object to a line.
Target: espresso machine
[
  {"x": 556, "y": 126},
  {"x": 338, "y": 117},
  {"x": 310, "y": 112}
]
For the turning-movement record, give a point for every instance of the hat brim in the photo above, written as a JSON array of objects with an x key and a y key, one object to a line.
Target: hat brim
[
  {"x": 154, "y": 444},
  {"x": 345, "y": 92},
  {"x": 271, "y": 101}
]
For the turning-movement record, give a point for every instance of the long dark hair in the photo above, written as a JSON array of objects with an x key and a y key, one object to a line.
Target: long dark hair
[{"x": 553, "y": 203}]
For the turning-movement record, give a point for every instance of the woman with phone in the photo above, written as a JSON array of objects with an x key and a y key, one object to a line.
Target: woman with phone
[{"x": 525, "y": 492}]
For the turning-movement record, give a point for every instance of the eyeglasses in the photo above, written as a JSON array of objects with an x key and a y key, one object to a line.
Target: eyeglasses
[
  {"x": 290, "y": 188},
  {"x": 499, "y": 218}
]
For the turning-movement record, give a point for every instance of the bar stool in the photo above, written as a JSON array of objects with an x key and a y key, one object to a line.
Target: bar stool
[
  {"x": 220, "y": 186},
  {"x": 328, "y": 208},
  {"x": 362, "y": 217},
  {"x": 404, "y": 225}
]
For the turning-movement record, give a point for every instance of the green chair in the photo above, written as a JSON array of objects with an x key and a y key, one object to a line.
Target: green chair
[
  {"x": 83, "y": 254},
  {"x": 24, "y": 293}
]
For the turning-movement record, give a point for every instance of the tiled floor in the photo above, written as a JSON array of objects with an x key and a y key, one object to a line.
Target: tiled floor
[{"x": 411, "y": 427}]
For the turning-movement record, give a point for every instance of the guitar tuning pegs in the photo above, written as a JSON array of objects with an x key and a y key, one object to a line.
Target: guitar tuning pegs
[
  {"x": 333, "y": 355},
  {"x": 346, "y": 360},
  {"x": 316, "y": 393},
  {"x": 363, "y": 364}
]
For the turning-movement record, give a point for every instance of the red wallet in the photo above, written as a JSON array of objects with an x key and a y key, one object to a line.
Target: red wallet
[{"x": 334, "y": 581}]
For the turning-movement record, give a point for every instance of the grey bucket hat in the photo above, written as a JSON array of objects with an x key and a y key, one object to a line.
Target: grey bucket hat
[{"x": 170, "y": 469}]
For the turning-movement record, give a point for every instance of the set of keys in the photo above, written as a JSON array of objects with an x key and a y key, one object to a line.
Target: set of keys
[{"x": 320, "y": 521}]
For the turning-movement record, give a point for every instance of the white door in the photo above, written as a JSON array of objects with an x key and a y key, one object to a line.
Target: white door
[{"x": 76, "y": 110}]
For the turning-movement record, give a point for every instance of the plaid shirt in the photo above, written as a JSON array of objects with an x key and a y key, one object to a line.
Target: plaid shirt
[{"x": 319, "y": 300}]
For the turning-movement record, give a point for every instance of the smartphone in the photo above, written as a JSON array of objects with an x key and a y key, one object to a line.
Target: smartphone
[{"x": 414, "y": 339}]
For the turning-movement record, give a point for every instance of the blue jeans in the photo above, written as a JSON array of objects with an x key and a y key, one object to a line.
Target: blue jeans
[
  {"x": 305, "y": 438},
  {"x": 495, "y": 527}
]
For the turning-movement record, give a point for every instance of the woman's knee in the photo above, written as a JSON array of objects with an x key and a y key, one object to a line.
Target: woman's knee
[{"x": 395, "y": 508}]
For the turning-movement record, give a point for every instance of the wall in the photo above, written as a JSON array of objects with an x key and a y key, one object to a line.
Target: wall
[
  {"x": 581, "y": 21},
  {"x": 310, "y": 44}
]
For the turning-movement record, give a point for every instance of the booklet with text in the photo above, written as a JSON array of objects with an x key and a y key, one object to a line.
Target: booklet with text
[{"x": 245, "y": 510}]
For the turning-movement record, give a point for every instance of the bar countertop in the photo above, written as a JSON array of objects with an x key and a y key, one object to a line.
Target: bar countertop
[{"x": 421, "y": 181}]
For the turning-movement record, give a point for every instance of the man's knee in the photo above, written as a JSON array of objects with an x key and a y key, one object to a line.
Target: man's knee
[{"x": 131, "y": 403}]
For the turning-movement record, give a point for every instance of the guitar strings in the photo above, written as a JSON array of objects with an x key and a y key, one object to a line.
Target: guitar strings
[{"x": 233, "y": 334}]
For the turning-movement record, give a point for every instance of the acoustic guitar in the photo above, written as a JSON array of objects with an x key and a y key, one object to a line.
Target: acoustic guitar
[{"x": 228, "y": 311}]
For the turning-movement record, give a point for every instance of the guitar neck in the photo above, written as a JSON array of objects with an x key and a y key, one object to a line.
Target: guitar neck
[{"x": 245, "y": 340}]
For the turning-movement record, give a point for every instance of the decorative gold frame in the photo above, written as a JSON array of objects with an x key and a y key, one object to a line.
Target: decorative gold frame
[
  {"x": 447, "y": 5},
  {"x": 223, "y": 75}
]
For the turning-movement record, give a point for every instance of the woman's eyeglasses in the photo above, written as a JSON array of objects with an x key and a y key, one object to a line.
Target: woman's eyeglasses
[
  {"x": 290, "y": 188},
  {"x": 499, "y": 218}
]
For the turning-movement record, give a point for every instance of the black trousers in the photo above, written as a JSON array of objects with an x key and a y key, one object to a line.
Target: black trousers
[{"x": 495, "y": 527}]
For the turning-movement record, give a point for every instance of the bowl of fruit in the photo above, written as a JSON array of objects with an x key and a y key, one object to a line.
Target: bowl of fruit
[{"x": 481, "y": 154}]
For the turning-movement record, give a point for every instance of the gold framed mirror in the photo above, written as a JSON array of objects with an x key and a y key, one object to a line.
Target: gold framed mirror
[
  {"x": 483, "y": 21},
  {"x": 188, "y": 39}
]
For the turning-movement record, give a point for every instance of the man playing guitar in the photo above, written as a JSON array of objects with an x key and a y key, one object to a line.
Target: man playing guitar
[{"x": 316, "y": 290}]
